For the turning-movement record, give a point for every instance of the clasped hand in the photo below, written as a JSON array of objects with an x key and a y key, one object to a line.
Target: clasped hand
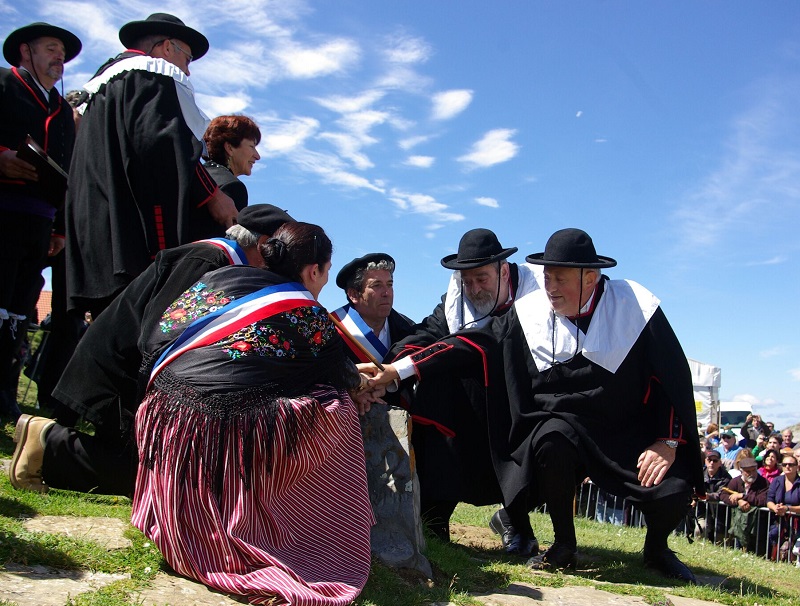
[{"x": 365, "y": 395}]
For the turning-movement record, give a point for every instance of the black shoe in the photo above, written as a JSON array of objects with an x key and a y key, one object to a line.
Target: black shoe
[
  {"x": 515, "y": 543},
  {"x": 557, "y": 557},
  {"x": 668, "y": 564}
]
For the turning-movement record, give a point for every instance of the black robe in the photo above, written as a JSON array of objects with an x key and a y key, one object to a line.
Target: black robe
[
  {"x": 24, "y": 111},
  {"x": 457, "y": 467},
  {"x": 231, "y": 186},
  {"x": 102, "y": 380},
  {"x": 136, "y": 184},
  {"x": 649, "y": 397}
]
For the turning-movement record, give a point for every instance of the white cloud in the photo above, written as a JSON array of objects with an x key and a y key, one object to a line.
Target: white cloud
[
  {"x": 601, "y": 140},
  {"x": 406, "y": 49},
  {"x": 489, "y": 202},
  {"x": 795, "y": 374},
  {"x": 423, "y": 204},
  {"x": 220, "y": 106},
  {"x": 346, "y": 105},
  {"x": 495, "y": 147},
  {"x": 282, "y": 136},
  {"x": 311, "y": 62},
  {"x": 579, "y": 114},
  {"x": 406, "y": 144},
  {"x": 420, "y": 161},
  {"x": 776, "y": 260},
  {"x": 449, "y": 104},
  {"x": 779, "y": 350},
  {"x": 349, "y": 147}
]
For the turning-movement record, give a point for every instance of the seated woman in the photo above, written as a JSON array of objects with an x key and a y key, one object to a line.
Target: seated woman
[
  {"x": 251, "y": 477},
  {"x": 770, "y": 470},
  {"x": 783, "y": 497}
]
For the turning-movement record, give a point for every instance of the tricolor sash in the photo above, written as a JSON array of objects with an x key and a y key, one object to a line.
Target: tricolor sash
[
  {"x": 362, "y": 333},
  {"x": 212, "y": 327},
  {"x": 623, "y": 311},
  {"x": 232, "y": 249}
]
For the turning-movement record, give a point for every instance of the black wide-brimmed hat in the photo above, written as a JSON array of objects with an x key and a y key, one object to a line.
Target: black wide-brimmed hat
[
  {"x": 263, "y": 219},
  {"x": 478, "y": 247},
  {"x": 164, "y": 24},
  {"x": 72, "y": 45},
  {"x": 570, "y": 248},
  {"x": 348, "y": 270}
]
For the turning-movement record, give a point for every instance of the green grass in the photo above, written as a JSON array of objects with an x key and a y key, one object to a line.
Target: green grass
[{"x": 611, "y": 558}]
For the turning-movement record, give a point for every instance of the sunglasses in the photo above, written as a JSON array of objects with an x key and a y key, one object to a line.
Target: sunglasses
[{"x": 788, "y": 464}]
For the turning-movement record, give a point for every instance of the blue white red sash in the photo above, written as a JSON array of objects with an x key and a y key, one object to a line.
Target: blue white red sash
[
  {"x": 212, "y": 327},
  {"x": 362, "y": 333},
  {"x": 235, "y": 252},
  {"x": 623, "y": 311}
]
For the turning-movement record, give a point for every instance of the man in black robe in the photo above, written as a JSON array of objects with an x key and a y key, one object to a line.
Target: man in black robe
[
  {"x": 29, "y": 105},
  {"x": 136, "y": 183},
  {"x": 561, "y": 366},
  {"x": 105, "y": 378},
  {"x": 453, "y": 456}
]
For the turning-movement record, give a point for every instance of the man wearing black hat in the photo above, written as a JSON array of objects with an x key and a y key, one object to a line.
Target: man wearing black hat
[
  {"x": 105, "y": 378},
  {"x": 29, "y": 105},
  {"x": 563, "y": 362},
  {"x": 137, "y": 185},
  {"x": 453, "y": 455}
]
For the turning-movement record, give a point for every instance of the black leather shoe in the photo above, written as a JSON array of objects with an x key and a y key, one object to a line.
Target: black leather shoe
[
  {"x": 515, "y": 543},
  {"x": 668, "y": 564},
  {"x": 557, "y": 557}
]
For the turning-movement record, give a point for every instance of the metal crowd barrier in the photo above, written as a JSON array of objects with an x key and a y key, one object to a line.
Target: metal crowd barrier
[{"x": 705, "y": 521}]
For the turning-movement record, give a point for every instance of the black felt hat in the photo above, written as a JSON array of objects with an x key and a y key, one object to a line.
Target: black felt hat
[
  {"x": 263, "y": 219},
  {"x": 478, "y": 247},
  {"x": 570, "y": 248},
  {"x": 72, "y": 45},
  {"x": 348, "y": 270},
  {"x": 164, "y": 24}
]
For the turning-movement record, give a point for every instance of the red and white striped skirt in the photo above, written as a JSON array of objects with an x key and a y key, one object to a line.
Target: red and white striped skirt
[{"x": 300, "y": 534}]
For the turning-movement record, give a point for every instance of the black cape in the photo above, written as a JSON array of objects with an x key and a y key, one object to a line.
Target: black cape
[
  {"x": 650, "y": 396},
  {"x": 458, "y": 467},
  {"x": 136, "y": 185},
  {"x": 102, "y": 380}
]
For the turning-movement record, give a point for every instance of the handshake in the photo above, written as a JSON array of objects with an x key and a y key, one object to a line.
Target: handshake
[{"x": 374, "y": 381}]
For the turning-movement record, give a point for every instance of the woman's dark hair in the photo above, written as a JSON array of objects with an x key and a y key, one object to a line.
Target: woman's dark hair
[
  {"x": 772, "y": 451},
  {"x": 228, "y": 129},
  {"x": 294, "y": 246}
]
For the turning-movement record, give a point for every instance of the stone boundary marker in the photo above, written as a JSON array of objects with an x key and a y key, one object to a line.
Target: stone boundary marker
[{"x": 47, "y": 586}]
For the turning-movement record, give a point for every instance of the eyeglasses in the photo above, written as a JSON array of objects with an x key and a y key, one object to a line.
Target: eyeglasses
[
  {"x": 788, "y": 464},
  {"x": 183, "y": 50}
]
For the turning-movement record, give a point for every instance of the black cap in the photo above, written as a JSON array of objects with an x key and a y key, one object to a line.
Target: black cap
[
  {"x": 478, "y": 247},
  {"x": 264, "y": 219},
  {"x": 167, "y": 25},
  {"x": 72, "y": 45},
  {"x": 348, "y": 270},
  {"x": 570, "y": 248}
]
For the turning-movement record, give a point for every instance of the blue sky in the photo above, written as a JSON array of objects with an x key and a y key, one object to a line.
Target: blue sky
[{"x": 667, "y": 130}]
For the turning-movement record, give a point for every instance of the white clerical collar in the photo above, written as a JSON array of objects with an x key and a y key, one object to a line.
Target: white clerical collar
[{"x": 619, "y": 318}]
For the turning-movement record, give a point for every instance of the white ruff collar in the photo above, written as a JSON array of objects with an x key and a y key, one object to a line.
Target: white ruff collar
[
  {"x": 623, "y": 311},
  {"x": 531, "y": 277},
  {"x": 195, "y": 119}
]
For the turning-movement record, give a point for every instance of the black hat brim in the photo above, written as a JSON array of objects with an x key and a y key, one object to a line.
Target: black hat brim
[
  {"x": 133, "y": 31},
  {"x": 602, "y": 262},
  {"x": 452, "y": 262},
  {"x": 72, "y": 44},
  {"x": 350, "y": 268}
]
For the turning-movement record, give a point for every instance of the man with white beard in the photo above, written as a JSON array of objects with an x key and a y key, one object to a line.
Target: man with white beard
[{"x": 454, "y": 462}]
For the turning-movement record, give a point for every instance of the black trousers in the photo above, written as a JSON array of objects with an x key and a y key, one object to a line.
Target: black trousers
[
  {"x": 105, "y": 463},
  {"x": 557, "y": 465}
]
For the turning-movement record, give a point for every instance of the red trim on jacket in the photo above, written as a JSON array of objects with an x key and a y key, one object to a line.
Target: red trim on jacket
[
  {"x": 159, "y": 221},
  {"x": 36, "y": 96},
  {"x": 207, "y": 182},
  {"x": 483, "y": 359}
]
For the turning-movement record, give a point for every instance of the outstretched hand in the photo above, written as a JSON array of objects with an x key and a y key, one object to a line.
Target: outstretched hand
[{"x": 654, "y": 463}]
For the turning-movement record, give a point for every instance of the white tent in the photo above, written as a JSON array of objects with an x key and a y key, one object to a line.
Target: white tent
[{"x": 706, "y": 380}]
